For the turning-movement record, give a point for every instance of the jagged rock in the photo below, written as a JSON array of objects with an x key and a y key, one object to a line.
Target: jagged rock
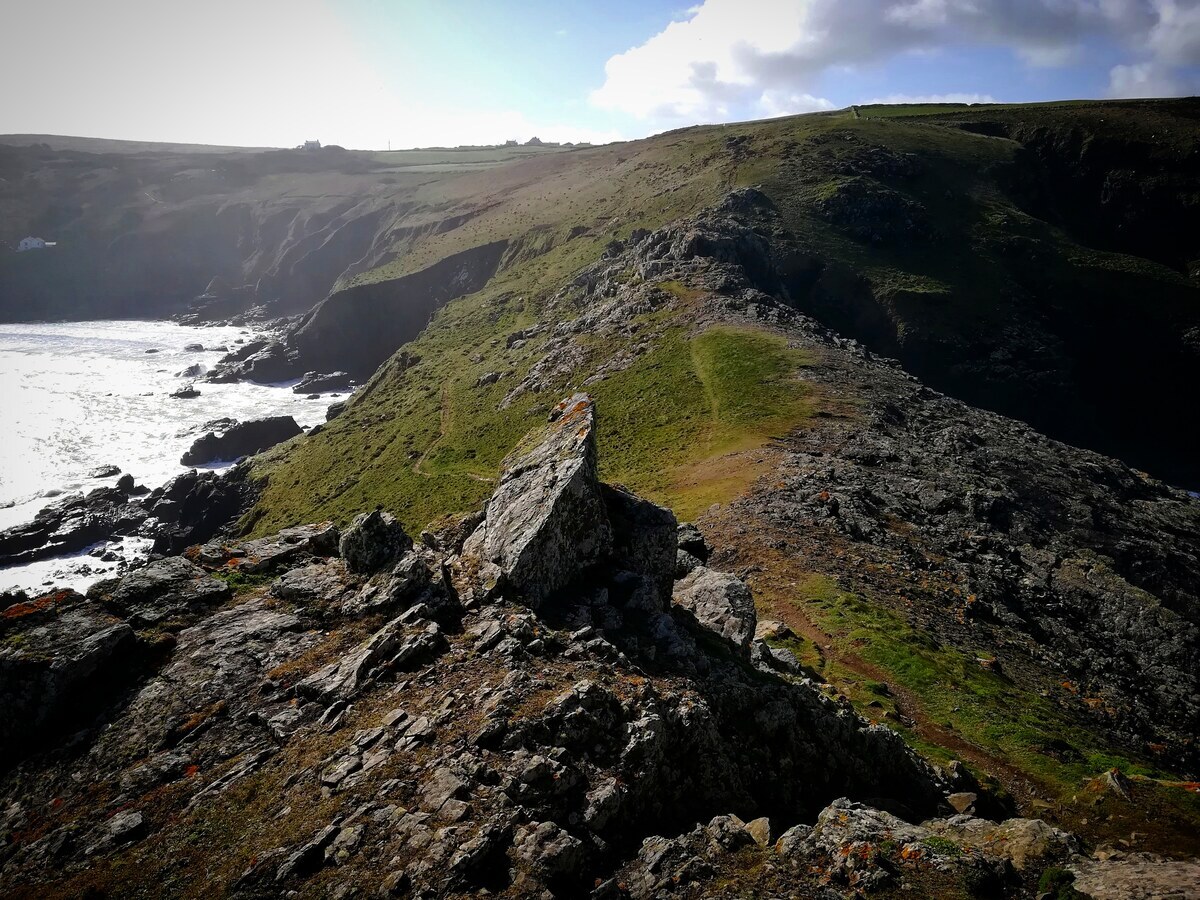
[
  {"x": 372, "y": 541},
  {"x": 1023, "y": 842},
  {"x": 243, "y": 439},
  {"x": 165, "y": 589},
  {"x": 60, "y": 657},
  {"x": 389, "y": 646},
  {"x": 644, "y": 544},
  {"x": 72, "y": 524},
  {"x": 550, "y": 849},
  {"x": 721, "y": 602},
  {"x": 760, "y": 830},
  {"x": 312, "y": 583},
  {"x": 334, "y": 410},
  {"x": 546, "y": 521},
  {"x": 194, "y": 506},
  {"x": 123, "y": 828},
  {"x": 691, "y": 541},
  {"x": 270, "y": 554},
  {"x": 104, "y": 472}
]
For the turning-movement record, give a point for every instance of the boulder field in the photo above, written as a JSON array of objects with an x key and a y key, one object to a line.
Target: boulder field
[{"x": 552, "y": 697}]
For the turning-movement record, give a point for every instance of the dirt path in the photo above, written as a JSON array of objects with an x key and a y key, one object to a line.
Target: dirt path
[
  {"x": 909, "y": 705},
  {"x": 773, "y": 575},
  {"x": 443, "y": 423}
]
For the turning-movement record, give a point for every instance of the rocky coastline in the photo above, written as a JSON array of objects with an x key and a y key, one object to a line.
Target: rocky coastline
[{"x": 622, "y": 730}]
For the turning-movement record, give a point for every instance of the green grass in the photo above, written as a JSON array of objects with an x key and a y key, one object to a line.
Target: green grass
[
  {"x": 429, "y": 439},
  {"x": 984, "y": 707}
]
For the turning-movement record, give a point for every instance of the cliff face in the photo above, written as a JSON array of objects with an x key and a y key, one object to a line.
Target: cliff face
[{"x": 144, "y": 233}]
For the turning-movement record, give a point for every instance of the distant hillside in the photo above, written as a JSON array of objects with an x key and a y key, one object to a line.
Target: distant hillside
[{"x": 109, "y": 145}]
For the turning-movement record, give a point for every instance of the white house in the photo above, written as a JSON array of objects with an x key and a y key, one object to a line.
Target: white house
[
  {"x": 312, "y": 145},
  {"x": 33, "y": 243}
]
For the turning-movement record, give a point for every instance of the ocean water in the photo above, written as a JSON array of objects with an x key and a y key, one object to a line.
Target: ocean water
[{"x": 75, "y": 396}]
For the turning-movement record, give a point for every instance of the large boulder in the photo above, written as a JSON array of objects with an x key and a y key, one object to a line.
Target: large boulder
[
  {"x": 164, "y": 589},
  {"x": 720, "y": 602},
  {"x": 372, "y": 541},
  {"x": 191, "y": 508},
  {"x": 547, "y": 520},
  {"x": 60, "y": 656},
  {"x": 243, "y": 439},
  {"x": 644, "y": 544}
]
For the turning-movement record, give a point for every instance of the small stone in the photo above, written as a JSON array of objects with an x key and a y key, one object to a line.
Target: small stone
[
  {"x": 760, "y": 830},
  {"x": 963, "y": 801}
]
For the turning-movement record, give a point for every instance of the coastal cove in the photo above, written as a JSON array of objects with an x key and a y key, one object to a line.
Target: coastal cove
[{"x": 78, "y": 397}]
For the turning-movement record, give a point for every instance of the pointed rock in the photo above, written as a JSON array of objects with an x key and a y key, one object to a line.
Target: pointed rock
[{"x": 547, "y": 520}]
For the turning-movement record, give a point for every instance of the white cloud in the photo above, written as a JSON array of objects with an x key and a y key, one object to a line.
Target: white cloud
[
  {"x": 727, "y": 58},
  {"x": 908, "y": 99},
  {"x": 695, "y": 68},
  {"x": 778, "y": 103},
  {"x": 1144, "y": 80}
]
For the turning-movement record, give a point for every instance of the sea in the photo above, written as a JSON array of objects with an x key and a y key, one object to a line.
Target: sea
[{"x": 76, "y": 396}]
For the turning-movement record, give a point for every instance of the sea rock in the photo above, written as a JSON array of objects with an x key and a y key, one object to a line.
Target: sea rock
[
  {"x": 71, "y": 525},
  {"x": 194, "y": 506},
  {"x": 373, "y": 541},
  {"x": 316, "y": 383},
  {"x": 720, "y": 602},
  {"x": 243, "y": 439},
  {"x": 104, "y": 472},
  {"x": 188, "y": 392},
  {"x": 547, "y": 521}
]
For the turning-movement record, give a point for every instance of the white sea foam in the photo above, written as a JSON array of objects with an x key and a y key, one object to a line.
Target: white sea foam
[{"x": 75, "y": 396}]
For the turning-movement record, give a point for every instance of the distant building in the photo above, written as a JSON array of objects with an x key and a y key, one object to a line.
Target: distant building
[
  {"x": 512, "y": 143},
  {"x": 534, "y": 142},
  {"x": 33, "y": 243},
  {"x": 312, "y": 145}
]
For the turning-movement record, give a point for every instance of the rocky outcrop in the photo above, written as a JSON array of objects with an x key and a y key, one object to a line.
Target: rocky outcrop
[
  {"x": 59, "y": 655},
  {"x": 357, "y": 328},
  {"x": 191, "y": 508},
  {"x": 400, "y": 744},
  {"x": 242, "y": 439},
  {"x": 162, "y": 590},
  {"x": 372, "y": 541},
  {"x": 547, "y": 520}
]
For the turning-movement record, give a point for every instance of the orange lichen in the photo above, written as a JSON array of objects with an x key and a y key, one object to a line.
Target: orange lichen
[{"x": 17, "y": 610}]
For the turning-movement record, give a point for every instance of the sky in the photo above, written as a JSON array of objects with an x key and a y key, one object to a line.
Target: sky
[{"x": 367, "y": 74}]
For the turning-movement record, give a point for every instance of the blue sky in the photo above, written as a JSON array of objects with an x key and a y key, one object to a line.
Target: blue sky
[{"x": 365, "y": 72}]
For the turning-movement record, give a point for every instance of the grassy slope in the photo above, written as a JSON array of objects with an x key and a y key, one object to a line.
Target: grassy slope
[{"x": 424, "y": 441}]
